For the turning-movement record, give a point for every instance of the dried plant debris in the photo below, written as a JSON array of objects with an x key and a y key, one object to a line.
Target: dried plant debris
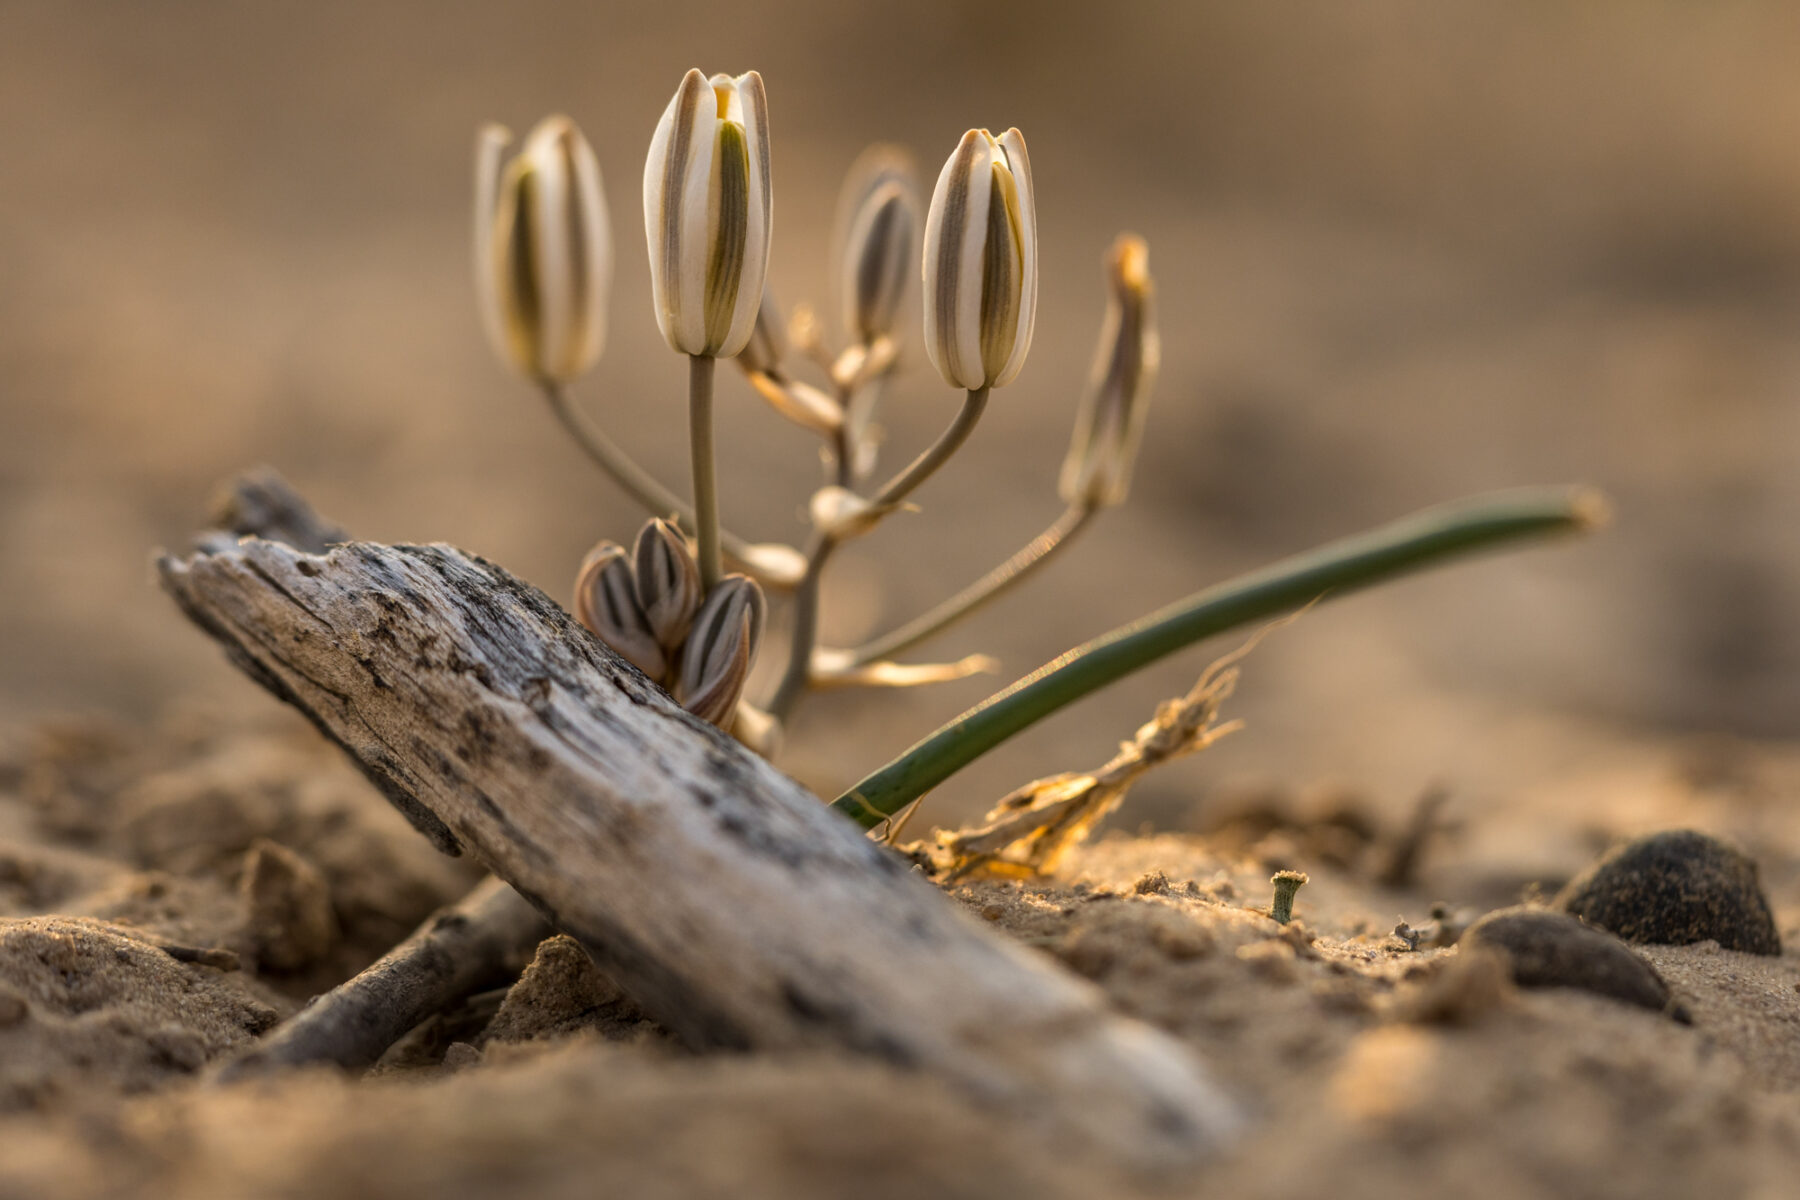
[
  {"x": 1553, "y": 949},
  {"x": 1030, "y": 830},
  {"x": 1675, "y": 888}
]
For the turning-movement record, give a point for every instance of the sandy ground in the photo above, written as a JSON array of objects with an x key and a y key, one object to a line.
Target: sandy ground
[
  {"x": 1403, "y": 252},
  {"x": 1370, "y": 1068}
]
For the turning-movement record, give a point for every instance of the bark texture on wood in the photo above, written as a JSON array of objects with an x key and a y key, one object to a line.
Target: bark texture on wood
[
  {"x": 457, "y": 951},
  {"x": 727, "y": 900}
]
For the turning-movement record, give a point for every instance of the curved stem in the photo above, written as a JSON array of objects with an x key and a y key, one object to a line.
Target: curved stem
[
  {"x": 798, "y": 673},
  {"x": 1420, "y": 540},
  {"x": 650, "y": 492},
  {"x": 926, "y": 465},
  {"x": 706, "y": 496},
  {"x": 1026, "y": 560},
  {"x": 805, "y": 637}
]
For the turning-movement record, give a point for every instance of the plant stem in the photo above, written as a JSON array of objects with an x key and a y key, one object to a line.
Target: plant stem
[
  {"x": 639, "y": 484},
  {"x": 1027, "y": 559},
  {"x": 798, "y": 674},
  {"x": 926, "y": 465},
  {"x": 706, "y": 496},
  {"x": 1408, "y": 544}
]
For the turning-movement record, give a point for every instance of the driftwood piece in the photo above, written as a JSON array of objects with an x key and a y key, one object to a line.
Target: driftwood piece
[
  {"x": 732, "y": 905},
  {"x": 456, "y": 951}
]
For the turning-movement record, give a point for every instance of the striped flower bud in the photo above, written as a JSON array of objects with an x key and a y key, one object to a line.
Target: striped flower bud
[
  {"x": 606, "y": 602},
  {"x": 981, "y": 262},
  {"x": 1110, "y": 424},
  {"x": 720, "y": 650},
  {"x": 707, "y": 212},
  {"x": 667, "y": 582},
  {"x": 877, "y": 239},
  {"x": 543, "y": 249},
  {"x": 768, "y": 340}
]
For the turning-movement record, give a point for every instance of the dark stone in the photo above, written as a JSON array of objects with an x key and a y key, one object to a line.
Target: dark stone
[
  {"x": 1553, "y": 949},
  {"x": 1675, "y": 888}
]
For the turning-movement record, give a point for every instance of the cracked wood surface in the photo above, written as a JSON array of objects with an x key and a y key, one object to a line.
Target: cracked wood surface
[
  {"x": 729, "y": 902},
  {"x": 457, "y": 950}
]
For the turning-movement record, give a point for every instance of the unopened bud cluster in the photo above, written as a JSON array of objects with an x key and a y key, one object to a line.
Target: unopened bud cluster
[{"x": 646, "y": 604}]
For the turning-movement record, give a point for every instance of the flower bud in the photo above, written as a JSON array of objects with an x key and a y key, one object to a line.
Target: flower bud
[
  {"x": 1110, "y": 424},
  {"x": 877, "y": 237},
  {"x": 543, "y": 249},
  {"x": 768, "y": 340},
  {"x": 606, "y": 602},
  {"x": 720, "y": 650},
  {"x": 707, "y": 212},
  {"x": 667, "y": 582},
  {"x": 981, "y": 262}
]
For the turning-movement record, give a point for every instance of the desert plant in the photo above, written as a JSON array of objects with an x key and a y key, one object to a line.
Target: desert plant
[{"x": 543, "y": 263}]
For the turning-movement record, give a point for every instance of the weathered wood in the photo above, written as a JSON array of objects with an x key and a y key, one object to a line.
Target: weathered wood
[
  {"x": 724, "y": 898},
  {"x": 456, "y": 951}
]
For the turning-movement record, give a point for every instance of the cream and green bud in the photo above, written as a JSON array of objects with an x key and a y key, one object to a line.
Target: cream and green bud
[
  {"x": 981, "y": 262},
  {"x": 707, "y": 213},
  {"x": 1110, "y": 424},
  {"x": 877, "y": 241},
  {"x": 721, "y": 648},
  {"x": 606, "y": 602},
  {"x": 667, "y": 582},
  {"x": 543, "y": 249}
]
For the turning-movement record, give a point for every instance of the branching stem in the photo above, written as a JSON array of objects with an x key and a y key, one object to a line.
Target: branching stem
[{"x": 805, "y": 637}]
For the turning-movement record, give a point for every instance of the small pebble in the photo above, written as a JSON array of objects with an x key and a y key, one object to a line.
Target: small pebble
[
  {"x": 1675, "y": 888},
  {"x": 1553, "y": 949}
]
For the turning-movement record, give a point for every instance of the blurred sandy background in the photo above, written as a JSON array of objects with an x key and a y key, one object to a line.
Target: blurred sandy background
[{"x": 1405, "y": 251}]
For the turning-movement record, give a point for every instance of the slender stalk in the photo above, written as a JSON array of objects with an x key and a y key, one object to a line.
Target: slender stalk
[
  {"x": 655, "y": 498},
  {"x": 926, "y": 465},
  {"x": 805, "y": 636},
  {"x": 798, "y": 674},
  {"x": 706, "y": 496},
  {"x": 1420, "y": 540},
  {"x": 1026, "y": 560}
]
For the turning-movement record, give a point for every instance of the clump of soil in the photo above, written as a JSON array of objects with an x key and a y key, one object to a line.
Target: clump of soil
[
  {"x": 1676, "y": 888},
  {"x": 562, "y": 993},
  {"x": 88, "y": 1006}
]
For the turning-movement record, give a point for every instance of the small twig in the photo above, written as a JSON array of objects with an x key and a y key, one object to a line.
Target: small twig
[{"x": 455, "y": 953}]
